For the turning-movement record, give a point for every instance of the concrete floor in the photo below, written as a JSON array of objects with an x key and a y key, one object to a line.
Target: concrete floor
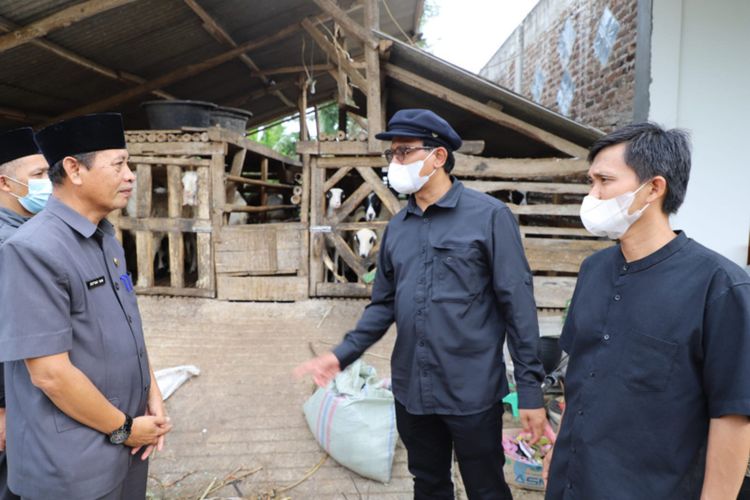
[{"x": 244, "y": 412}]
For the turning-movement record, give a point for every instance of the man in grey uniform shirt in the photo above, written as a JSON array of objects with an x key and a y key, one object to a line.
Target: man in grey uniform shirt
[
  {"x": 24, "y": 189},
  {"x": 81, "y": 405}
]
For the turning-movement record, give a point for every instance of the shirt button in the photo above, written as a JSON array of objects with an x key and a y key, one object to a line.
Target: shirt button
[
  {"x": 592, "y": 374},
  {"x": 130, "y": 318},
  {"x": 421, "y": 343},
  {"x": 617, "y": 297},
  {"x": 570, "y": 485},
  {"x": 625, "y": 267},
  {"x": 606, "y": 336},
  {"x": 580, "y": 412},
  {"x": 426, "y": 220},
  {"x": 117, "y": 285}
]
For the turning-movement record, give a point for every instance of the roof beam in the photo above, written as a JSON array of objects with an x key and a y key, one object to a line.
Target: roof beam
[
  {"x": 220, "y": 34},
  {"x": 58, "y": 20},
  {"x": 285, "y": 70},
  {"x": 177, "y": 75},
  {"x": 339, "y": 58},
  {"x": 71, "y": 56},
  {"x": 487, "y": 112},
  {"x": 352, "y": 27}
]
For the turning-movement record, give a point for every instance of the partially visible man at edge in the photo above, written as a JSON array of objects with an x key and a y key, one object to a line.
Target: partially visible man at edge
[{"x": 24, "y": 189}]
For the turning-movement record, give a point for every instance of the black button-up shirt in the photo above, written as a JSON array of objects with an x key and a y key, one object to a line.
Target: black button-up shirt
[
  {"x": 455, "y": 279},
  {"x": 657, "y": 347}
]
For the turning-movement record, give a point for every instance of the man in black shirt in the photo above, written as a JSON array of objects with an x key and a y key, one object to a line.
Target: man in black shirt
[
  {"x": 658, "y": 333},
  {"x": 453, "y": 276}
]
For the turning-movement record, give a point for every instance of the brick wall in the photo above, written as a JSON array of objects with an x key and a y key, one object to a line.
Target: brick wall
[{"x": 576, "y": 57}]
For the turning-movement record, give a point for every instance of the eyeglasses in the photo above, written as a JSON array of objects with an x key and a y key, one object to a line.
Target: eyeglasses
[{"x": 402, "y": 152}]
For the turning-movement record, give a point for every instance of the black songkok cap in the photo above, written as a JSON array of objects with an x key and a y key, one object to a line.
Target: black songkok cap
[
  {"x": 83, "y": 134},
  {"x": 17, "y": 144}
]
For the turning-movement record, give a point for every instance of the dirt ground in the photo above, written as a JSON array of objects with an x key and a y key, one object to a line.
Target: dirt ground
[{"x": 239, "y": 431}]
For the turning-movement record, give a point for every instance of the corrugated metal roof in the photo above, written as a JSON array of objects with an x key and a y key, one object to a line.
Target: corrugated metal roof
[{"x": 150, "y": 38}]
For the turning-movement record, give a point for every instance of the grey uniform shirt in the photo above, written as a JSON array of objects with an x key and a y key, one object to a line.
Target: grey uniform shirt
[
  {"x": 9, "y": 222},
  {"x": 62, "y": 291},
  {"x": 456, "y": 280}
]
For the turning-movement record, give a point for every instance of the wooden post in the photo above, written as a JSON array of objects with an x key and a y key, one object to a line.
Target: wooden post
[
  {"x": 304, "y": 269},
  {"x": 342, "y": 88},
  {"x": 372, "y": 62},
  {"x": 144, "y": 239},
  {"x": 174, "y": 209},
  {"x": 208, "y": 188},
  {"x": 317, "y": 210},
  {"x": 263, "y": 192}
]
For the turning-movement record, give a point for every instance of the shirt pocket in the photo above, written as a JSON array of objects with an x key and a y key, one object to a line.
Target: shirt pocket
[
  {"x": 456, "y": 273},
  {"x": 647, "y": 363}
]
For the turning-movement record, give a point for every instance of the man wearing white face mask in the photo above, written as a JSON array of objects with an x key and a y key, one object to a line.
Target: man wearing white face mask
[
  {"x": 453, "y": 276},
  {"x": 24, "y": 189},
  {"x": 658, "y": 333}
]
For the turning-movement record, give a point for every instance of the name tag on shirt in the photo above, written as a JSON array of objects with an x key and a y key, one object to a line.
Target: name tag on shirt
[{"x": 95, "y": 282}]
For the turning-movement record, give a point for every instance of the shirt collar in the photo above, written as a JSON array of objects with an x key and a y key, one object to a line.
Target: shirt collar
[
  {"x": 651, "y": 260},
  {"x": 449, "y": 199},
  {"x": 76, "y": 221},
  {"x": 12, "y": 218}
]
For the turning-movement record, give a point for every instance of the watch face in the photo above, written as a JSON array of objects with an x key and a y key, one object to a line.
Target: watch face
[{"x": 119, "y": 436}]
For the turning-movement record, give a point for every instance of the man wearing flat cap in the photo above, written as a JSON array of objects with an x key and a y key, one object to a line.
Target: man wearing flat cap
[
  {"x": 453, "y": 276},
  {"x": 83, "y": 412},
  {"x": 24, "y": 189}
]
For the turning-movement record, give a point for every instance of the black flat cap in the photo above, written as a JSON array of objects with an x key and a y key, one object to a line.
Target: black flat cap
[
  {"x": 17, "y": 144},
  {"x": 83, "y": 134},
  {"x": 421, "y": 124}
]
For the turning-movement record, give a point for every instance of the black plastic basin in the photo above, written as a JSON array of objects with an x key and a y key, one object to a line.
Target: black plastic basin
[{"x": 172, "y": 115}]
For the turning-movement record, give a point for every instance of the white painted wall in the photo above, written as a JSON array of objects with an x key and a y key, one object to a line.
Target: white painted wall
[{"x": 700, "y": 69}]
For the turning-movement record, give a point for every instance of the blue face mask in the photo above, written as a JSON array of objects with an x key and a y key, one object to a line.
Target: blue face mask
[{"x": 39, "y": 192}]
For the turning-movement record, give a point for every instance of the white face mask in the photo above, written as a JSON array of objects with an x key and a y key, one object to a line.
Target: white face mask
[
  {"x": 405, "y": 178},
  {"x": 610, "y": 217}
]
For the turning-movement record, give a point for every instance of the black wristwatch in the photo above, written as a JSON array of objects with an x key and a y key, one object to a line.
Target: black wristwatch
[{"x": 121, "y": 434}]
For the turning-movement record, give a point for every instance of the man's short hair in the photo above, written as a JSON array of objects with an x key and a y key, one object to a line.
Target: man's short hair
[
  {"x": 650, "y": 151},
  {"x": 9, "y": 168},
  {"x": 450, "y": 161},
  {"x": 57, "y": 172}
]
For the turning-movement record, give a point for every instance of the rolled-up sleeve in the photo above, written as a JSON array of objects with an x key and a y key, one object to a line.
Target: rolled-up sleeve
[
  {"x": 378, "y": 315},
  {"x": 34, "y": 304},
  {"x": 514, "y": 289},
  {"x": 726, "y": 344}
]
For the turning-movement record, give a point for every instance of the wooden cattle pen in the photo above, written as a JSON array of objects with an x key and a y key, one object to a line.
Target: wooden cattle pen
[{"x": 261, "y": 260}]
